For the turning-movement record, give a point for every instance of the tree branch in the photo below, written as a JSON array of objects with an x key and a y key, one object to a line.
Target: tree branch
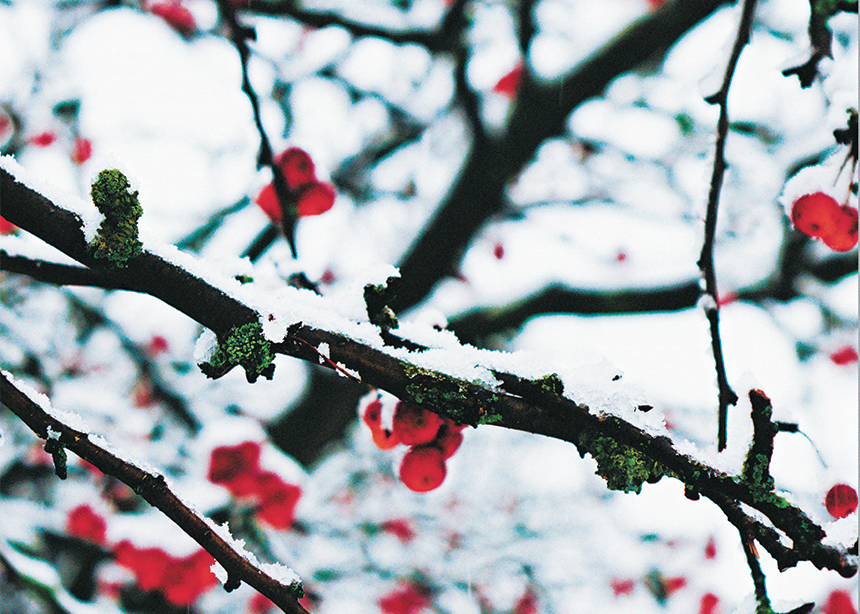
[
  {"x": 537, "y": 406},
  {"x": 727, "y": 396},
  {"x": 539, "y": 112},
  {"x": 153, "y": 488}
]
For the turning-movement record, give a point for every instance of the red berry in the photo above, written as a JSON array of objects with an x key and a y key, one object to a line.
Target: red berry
[
  {"x": 711, "y": 548},
  {"x": 510, "y": 83},
  {"x": 277, "y": 500},
  {"x": 44, "y": 139},
  {"x": 382, "y": 437},
  {"x": 188, "y": 578},
  {"x": 621, "y": 587},
  {"x": 236, "y": 467},
  {"x": 177, "y": 16},
  {"x": 83, "y": 522},
  {"x": 297, "y": 167},
  {"x": 422, "y": 468},
  {"x": 315, "y": 198},
  {"x": 7, "y": 227},
  {"x": 499, "y": 250},
  {"x": 841, "y": 500},
  {"x": 839, "y": 602},
  {"x": 845, "y": 236},
  {"x": 267, "y": 200},
  {"x": 448, "y": 439},
  {"x": 408, "y": 598},
  {"x": 821, "y": 217},
  {"x": 844, "y": 356},
  {"x": 709, "y": 604},
  {"x": 415, "y": 425},
  {"x": 82, "y": 151}
]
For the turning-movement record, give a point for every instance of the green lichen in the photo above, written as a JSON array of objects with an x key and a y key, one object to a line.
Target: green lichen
[
  {"x": 624, "y": 468},
  {"x": 451, "y": 396},
  {"x": 551, "y": 383},
  {"x": 244, "y": 346},
  {"x": 117, "y": 237}
]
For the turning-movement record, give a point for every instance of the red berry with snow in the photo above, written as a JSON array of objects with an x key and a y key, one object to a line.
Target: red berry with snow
[
  {"x": 415, "y": 425},
  {"x": 422, "y": 468},
  {"x": 841, "y": 500}
]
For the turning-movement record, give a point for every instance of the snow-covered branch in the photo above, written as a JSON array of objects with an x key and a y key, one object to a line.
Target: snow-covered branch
[{"x": 466, "y": 385}]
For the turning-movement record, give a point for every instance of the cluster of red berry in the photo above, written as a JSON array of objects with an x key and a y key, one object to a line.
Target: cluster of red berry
[
  {"x": 308, "y": 195},
  {"x": 180, "y": 579},
  {"x": 432, "y": 440},
  {"x": 237, "y": 468},
  {"x": 820, "y": 216}
]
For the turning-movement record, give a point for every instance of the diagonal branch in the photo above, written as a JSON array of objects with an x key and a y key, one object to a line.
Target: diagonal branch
[
  {"x": 540, "y": 406},
  {"x": 153, "y": 488},
  {"x": 706, "y": 261},
  {"x": 539, "y": 112}
]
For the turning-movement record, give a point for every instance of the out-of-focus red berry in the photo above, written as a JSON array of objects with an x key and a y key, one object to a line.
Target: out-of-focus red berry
[
  {"x": 315, "y": 198},
  {"x": 621, "y": 586},
  {"x": 236, "y": 467},
  {"x": 44, "y": 139},
  {"x": 510, "y": 83},
  {"x": 408, "y": 598},
  {"x": 82, "y": 150},
  {"x": 277, "y": 500},
  {"x": 188, "y": 578},
  {"x": 711, "y": 548},
  {"x": 400, "y": 528},
  {"x": 527, "y": 604},
  {"x": 176, "y": 15},
  {"x": 841, "y": 500},
  {"x": 415, "y": 425},
  {"x": 844, "y": 356},
  {"x": 83, "y": 522},
  {"x": 297, "y": 167},
  {"x": 839, "y": 602},
  {"x": 422, "y": 468},
  {"x": 709, "y": 604}
]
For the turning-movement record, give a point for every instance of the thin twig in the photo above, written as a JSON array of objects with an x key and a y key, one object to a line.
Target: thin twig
[
  {"x": 239, "y": 36},
  {"x": 706, "y": 261},
  {"x": 154, "y": 490}
]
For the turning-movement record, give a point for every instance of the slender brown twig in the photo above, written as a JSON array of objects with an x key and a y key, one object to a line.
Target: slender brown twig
[{"x": 706, "y": 261}]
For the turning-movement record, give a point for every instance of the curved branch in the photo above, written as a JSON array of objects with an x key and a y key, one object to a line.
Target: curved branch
[
  {"x": 540, "y": 111},
  {"x": 474, "y": 326},
  {"x": 155, "y": 491}
]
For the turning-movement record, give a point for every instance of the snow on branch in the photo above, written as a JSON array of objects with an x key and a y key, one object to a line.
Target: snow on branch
[{"x": 467, "y": 385}]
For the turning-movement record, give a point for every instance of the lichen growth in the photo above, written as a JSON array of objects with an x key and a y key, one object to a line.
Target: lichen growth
[
  {"x": 450, "y": 396},
  {"x": 244, "y": 346},
  {"x": 551, "y": 383},
  {"x": 117, "y": 237},
  {"x": 624, "y": 468}
]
